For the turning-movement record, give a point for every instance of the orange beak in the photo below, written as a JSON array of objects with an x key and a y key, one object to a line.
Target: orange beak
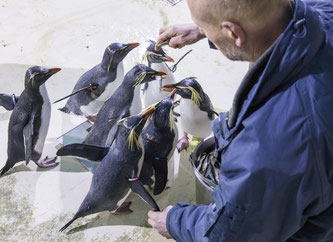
[
  {"x": 173, "y": 92},
  {"x": 168, "y": 88},
  {"x": 133, "y": 45},
  {"x": 148, "y": 112},
  {"x": 54, "y": 70},
  {"x": 167, "y": 58}
]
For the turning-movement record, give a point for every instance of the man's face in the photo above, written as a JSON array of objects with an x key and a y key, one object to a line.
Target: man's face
[{"x": 203, "y": 16}]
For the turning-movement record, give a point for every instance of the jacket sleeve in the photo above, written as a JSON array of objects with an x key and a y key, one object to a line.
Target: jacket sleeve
[{"x": 267, "y": 181}]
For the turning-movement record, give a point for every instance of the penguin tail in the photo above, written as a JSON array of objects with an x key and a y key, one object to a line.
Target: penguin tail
[
  {"x": 4, "y": 169},
  {"x": 69, "y": 223},
  {"x": 64, "y": 109}
]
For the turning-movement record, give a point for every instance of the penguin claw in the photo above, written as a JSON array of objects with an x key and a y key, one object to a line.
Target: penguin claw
[
  {"x": 47, "y": 162},
  {"x": 124, "y": 209},
  {"x": 182, "y": 144}
]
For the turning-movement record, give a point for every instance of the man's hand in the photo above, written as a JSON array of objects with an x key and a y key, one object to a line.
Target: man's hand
[
  {"x": 177, "y": 36},
  {"x": 158, "y": 221}
]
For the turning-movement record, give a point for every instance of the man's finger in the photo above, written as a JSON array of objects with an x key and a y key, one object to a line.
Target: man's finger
[
  {"x": 162, "y": 30},
  {"x": 151, "y": 222},
  {"x": 177, "y": 42},
  {"x": 164, "y": 38}
]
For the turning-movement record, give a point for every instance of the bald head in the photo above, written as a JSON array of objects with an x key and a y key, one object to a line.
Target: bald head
[{"x": 241, "y": 29}]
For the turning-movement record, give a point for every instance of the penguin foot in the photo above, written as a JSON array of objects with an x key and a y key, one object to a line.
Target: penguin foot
[
  {"x": 92, "y": 118},
  {"x": 124, "y": 209},
  {"x": 47, "y": 162},
  {"x": 182, "y": 144}
]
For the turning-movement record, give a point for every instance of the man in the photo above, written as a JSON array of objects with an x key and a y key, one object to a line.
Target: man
[{"x": 276, "y": 143}]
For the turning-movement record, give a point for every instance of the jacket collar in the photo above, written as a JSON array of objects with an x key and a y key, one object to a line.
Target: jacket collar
[{"x": 281, "y": 64}]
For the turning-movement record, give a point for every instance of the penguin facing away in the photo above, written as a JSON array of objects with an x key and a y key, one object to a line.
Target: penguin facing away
[
  {"x": 100, "y": 82},
  {"x": 196, "y": 110},
  {"x": 29, "y": 121},
  {"x": 151, "y": 92},
  {"x": 119, "y": 170},
  {"x": 159, "y": 137},
  {"x": 125, "y": 101}
]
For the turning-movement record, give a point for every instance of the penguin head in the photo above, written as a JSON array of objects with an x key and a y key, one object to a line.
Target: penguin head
[
  {"x": 115, "y": 53},
  {"x": 163, "y": 114},
  {"x": 156, "y": 56},
  {"x": 188, "y": 88},
  {"x": 144, "y": 74},
  {"x": 133, "y": 126},
  {"x": 37, "y": 76}
]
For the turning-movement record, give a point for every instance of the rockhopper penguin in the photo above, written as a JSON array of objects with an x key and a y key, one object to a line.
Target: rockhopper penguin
[
  {"x": 29, "y": 121},
  {"x": 125, "y": 101},
  {"x": 159, "y": 137},
  {"x": 196, "y": 110},
  {"x": 119, "y": 170},
  {"x": 99, "y": 83},
  {"x": 151, "y": 92}
]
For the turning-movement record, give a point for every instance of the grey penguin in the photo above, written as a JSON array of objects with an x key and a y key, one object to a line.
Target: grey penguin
[
  {"x": 98, "y": 83},
  {"x": 159, "y": 137},
  {"x": 8, "y": 101},
  {"x": 125, "y": 101},
  {"x": 29, "y": 121},
  {"x": 119, "y": 170},
  {"x": 151, "y": 92},
  {"x": 196, "y": 110}
]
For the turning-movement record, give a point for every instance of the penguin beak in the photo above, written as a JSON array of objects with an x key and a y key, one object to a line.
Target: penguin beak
[
  {"x": 172, "y": 94},
  {"x": 133, "y": 45},
  {"x": 53, "y": 71},
  {"x": 167, "y": 58},
  {"x": 147, "y": 113},
  {"x": 162, "y": 74},
  {"x": 169, "y": 88}
]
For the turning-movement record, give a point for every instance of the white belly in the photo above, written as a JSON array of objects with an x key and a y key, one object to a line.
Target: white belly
[
  {"x": 94, "y": 106},
  {"x": 112, "y": 86},
  {"x": 153, "y": 94},
  {"x": 193, "y": 120},
  {"x": 45, "y": 122},
  {"x": 136, "y": 106}
]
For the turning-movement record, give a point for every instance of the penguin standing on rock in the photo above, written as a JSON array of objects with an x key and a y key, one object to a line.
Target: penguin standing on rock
[
  {"x": 159, "y": 137},
  {"x": 125, "y": 101},
  {"x": 119, "y": 170},
  {"x": 196, "y": 110},
  {"x": 151, "y": 92},
  {"x": 99, "y": 83},
  {"x": 29, "y": 121}
]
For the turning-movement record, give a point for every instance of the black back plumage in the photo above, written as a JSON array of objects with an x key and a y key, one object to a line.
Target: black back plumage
[
  {"x": 101, "y": 74},
  {"x": 110, "y": 182},
  {"x": 117, "y": 107},
  {"x": 158, "y": 138},
  {"x": 27, "y": 112}
]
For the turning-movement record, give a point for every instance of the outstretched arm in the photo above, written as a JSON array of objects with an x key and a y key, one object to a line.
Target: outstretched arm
[{"x": 177, "y": 36}]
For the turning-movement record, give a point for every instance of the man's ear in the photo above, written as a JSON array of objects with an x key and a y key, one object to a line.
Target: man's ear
[{"x": 234, "y": 32}]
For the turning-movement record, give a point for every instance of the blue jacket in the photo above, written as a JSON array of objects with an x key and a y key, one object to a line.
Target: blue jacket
[{"x": 275, "y": 145}]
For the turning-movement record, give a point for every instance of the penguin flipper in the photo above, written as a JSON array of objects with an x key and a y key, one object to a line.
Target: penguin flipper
[
  {"x": 161, "y": 174},
  {"x": 90, "y": 152},
  {"x": 138, "y": 188},
  {"x": 6, "y": 101},
  {"x": 112, "y": 135},
  {"x": 28, "y": 134}
]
